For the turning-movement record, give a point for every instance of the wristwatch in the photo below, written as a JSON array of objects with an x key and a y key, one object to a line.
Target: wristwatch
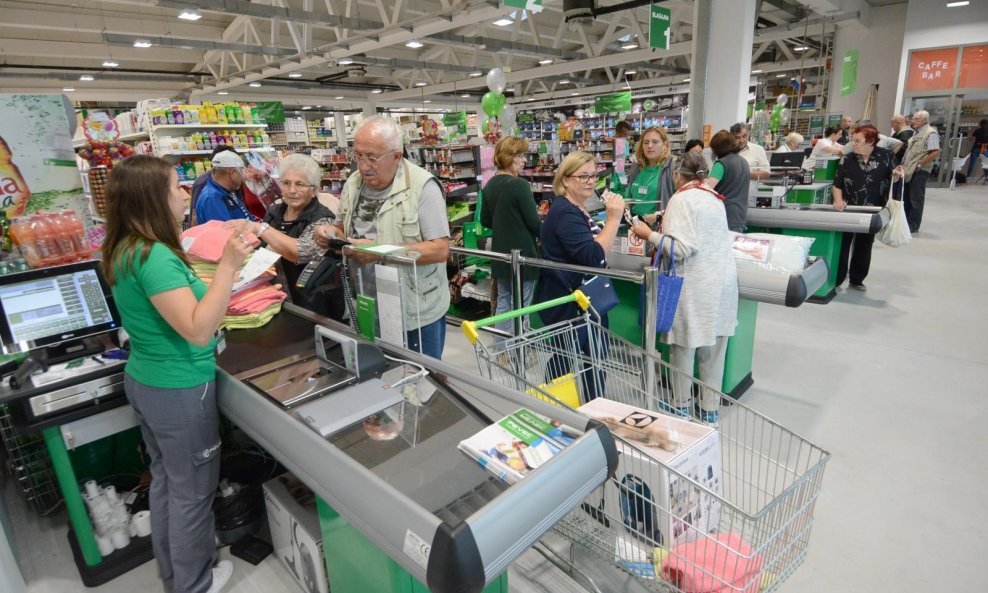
[{"x": 264, "y": 226}]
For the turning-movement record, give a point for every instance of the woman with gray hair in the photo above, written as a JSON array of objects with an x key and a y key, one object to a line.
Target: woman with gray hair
[
  {"x": 790, "y": 143},
  {"x": 289, "y": 229},
  {"x": 708, "y": 304}
]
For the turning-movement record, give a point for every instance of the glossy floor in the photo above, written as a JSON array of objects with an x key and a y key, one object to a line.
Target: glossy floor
[{"x": 893, "y": 381}]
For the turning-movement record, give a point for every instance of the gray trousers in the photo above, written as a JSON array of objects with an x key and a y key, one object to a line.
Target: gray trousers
[
  {"x": 710, "y": 361},
  {"x": 181, "y": 432}
]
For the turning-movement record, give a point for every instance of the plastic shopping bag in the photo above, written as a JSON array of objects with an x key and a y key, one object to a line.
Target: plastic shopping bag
[{"x": 896, "y": 232}]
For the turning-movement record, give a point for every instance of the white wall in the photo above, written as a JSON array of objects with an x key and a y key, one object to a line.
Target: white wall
[
  {"x": 930, "y": 24},
  {"x": 879, "y": 51}
]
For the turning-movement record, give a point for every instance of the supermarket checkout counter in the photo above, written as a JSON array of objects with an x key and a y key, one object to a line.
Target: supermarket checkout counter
[
  {"x": 402, "y": 508},
  {"x": 825, "y": 226},
  {"x": 754, "y": 287}
]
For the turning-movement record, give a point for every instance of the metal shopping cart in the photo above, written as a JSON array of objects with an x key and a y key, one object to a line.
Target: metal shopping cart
[{"x": 743, "y": 527}]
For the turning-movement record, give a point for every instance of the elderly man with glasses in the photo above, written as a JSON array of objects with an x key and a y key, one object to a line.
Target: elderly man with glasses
[
  {"x": 922, "y": 150},
  {"x": 390, "y": 200}
]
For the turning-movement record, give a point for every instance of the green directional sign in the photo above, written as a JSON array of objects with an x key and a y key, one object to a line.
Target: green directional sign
[
  {"x": 659, "y": 28},
  {"x": 816, "y": 125},
  {"x": 613, "y": 103},
  {"x": 530, "y": 5},
  {"x": 272, "y": 111},
  {"x": 849, "y": 73},
  {"x": 526, "y": 117},
  {"x": 455, "y": 118}
]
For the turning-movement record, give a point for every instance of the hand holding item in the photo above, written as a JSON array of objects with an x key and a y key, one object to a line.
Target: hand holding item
[
  {"x": 614, "y": 205},
  {"x": 642, "y": 230},
  {"x": 236, "y": 250},
  {"x": 650, "y": 218},
  {"x": 898, "y": 172},
  {"x": 324, "y": 233},
  {"x": 238, "y": 226}
]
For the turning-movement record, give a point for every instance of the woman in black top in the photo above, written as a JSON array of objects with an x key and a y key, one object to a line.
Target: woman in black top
[
  {"x": 863, "y": 179},
  {"x": 289, "y": 230}
]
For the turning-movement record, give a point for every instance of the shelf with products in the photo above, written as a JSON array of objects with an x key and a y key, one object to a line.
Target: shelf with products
[{"x": 210, "y": 151}]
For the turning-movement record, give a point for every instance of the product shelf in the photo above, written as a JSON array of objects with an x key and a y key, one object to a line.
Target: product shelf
[
  {"x": 210, "y": 151},
  {"x": 205, "y": 126}
]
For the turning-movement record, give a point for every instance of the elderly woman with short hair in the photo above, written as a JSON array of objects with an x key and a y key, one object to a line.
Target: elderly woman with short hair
[{"x": 289, "y": 227}]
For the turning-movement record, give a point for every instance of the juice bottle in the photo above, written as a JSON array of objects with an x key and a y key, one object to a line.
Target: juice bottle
[
  {"x": 49, "y": 253},
  {"x": 24, "y": 238},
  {"x": 77, "y": 232},
  {"x": 14, "y": 191},
  {"x": 61, "y": 231}
]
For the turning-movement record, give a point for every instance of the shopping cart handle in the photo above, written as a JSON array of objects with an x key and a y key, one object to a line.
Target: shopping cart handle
[{"x": 470, "y": 327}]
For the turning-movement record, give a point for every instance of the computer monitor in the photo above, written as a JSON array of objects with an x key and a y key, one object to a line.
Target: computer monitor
[
  {"x": 786, "y": 160},
  {"x": 57, "y": 306}
]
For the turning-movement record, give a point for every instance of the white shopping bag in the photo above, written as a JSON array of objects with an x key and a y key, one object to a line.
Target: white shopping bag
[{"x": 896, "y": 232}]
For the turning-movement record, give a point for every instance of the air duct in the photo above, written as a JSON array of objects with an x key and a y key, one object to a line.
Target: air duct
[{"x": 578, "y": 12}]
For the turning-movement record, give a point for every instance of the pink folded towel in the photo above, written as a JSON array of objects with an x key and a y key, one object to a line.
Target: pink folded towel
[
  {"x": 722, "y": 563},
  {"x": 255, "y": 300},
  {"x": 208, "y": 239}
]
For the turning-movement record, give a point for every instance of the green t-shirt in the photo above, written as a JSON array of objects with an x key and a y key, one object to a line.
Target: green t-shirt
[
  {"x": 717, "y": 171},
  {"x": 644, "y": 189},
  {"x": 159, "y": 356}
]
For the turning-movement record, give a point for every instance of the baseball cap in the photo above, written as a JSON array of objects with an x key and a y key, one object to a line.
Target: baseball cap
[{"x": 228, "y": 160}]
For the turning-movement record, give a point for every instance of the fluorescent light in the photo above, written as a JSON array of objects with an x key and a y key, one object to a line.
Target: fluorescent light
[
  {"x": 68, "y": 89},
  {"x": 318, "y": 106},
  {"x": 427, "y": 101},
  {"x": 800, "y": 48},
  {"x": 189, "y": 15},
  {"x": 345, "y": 61},
  {"x": 503, "y": 22},
  {"x": 781, "y": 75},
  {"x": 957, "y": 4},
  {"x": 110, "y": 64},
  {"x": 476, "y": 74},
  {"x": 414, "y": 44},
  {"x": 338, "y": 98},
  {"x": 564, "y": 81},
  {"x": 377, "y": 91},
  {"x": 294, "y": 75},
  {"x": 576, "y": 94},
  {"x": 756, "y": 71},
  {"x": 421, "y": 83},
  {"x": 306, "y": 107},
  {"x": 630, "y": 46},
  {"x": 87, "y": 77},
  {"x": 142, "y": 43},
  {"x": 687, "y": 79},
  {"x": 465, "y": 95},
  {"x": 222, "y": 92},
  {"x": 254, "y": 84},
  {"x": 630, "y": 72},
  {"x": 544, "y": 62}
]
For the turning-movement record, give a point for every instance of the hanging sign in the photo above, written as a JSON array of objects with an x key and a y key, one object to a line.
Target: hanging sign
[
  {"x": 272, "y": 112},
  {"x": 816, "y": 125},
  {"x": 833, "y": 120},
  {"x": 455, "y": 118},
  {"x": 658, "y": 27},
  {"x": 849, "y": 73},
  {"x": 613, "y": 103},
  {"x": 533, "y": 6},
  {"x": 932, "y": 69},
  {"x": 526, "y": 117}
]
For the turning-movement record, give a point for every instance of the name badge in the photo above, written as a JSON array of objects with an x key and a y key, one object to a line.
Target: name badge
[{"x": 220, "y": 337}]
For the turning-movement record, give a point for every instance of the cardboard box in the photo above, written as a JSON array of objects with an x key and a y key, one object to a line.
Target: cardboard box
[
  {"x": 655, "y": 505},
  {"x": 295, "y": 532}
]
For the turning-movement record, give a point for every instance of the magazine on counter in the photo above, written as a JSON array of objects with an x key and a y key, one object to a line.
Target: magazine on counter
[{"x": 517, "y": 444}]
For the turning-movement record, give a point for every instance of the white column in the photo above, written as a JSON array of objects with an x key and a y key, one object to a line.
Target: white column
[
  {"x": 340, "y": 131},
  {"x": 723, "y": 31}
]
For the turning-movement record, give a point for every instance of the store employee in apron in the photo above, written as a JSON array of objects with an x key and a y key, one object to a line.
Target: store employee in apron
[{"x": 650, "y": 179}]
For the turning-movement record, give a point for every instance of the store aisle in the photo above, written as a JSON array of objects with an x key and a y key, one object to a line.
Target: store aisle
[{"x": 891, "y": 381}]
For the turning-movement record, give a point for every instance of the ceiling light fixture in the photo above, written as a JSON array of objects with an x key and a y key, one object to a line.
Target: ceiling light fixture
[
  {"x": 687, "y": 79},
  {"x": 338, "y": 98},
  {"x": 465, "y": 95},
  {"x": 345, "y": 61},
  {"x": 295, "y": 75},
  {"x": 307, "y": 107},
  {"x": 254, "y": 84},
  {"x": 630, "y": 72},
  {"x": 421, "y": 83},
  {"x": 414, "y": 44},
  {"x": 957, "y": 4},
  {"x": 576, "y": 94},
  {"x": 756, "y": 71},
  {"x": 377, "y": 91},
  {"x": 564, "y": 81},
  {"x": 142, "y": 43},
  {"x": 222, "y": 92},
  {"x": 531, "y": 98},
  {"x": 427, "y": 101},
  {"x": 474, "y": 74},
  {"x": 781, "y": 75},
  {"x": 318, "y": 106},
  {"x": 68, "y": 89},
  {"x": 630, "y": 46},
  {"x": 110, "y": 64},
  {"x": 800, "y": 48},
  {"x": 87, "y": 77},
  {"x": 503, "y": 22},
  {"x": 544, "y": 62},
  {"x": 189, "y": 15}
]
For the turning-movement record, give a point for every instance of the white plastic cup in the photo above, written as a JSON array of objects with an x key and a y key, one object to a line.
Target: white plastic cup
[
  {"x": 92, "y": 490},
  {"x": 120, "y": 538},
  {"x": 142, "y": 523},
  {"x": 105, "y": 545}
]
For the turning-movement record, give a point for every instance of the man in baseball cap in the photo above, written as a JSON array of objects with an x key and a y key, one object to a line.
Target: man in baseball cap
[{"x": 219, "y": 199}]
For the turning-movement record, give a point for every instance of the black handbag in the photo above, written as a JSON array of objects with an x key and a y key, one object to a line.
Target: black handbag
[{"x": 600, "y": 290}]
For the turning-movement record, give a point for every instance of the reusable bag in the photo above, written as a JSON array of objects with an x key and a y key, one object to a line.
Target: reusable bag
[
  {"x": 669, "y": 286},
  {"x": 896, "y": 232}
]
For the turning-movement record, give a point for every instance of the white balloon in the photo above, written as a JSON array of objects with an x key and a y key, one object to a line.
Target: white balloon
[
  {"x": 508, "y": 118},
  {"x": 495, "y": 80},
  {"x": 782, "y": 99}
]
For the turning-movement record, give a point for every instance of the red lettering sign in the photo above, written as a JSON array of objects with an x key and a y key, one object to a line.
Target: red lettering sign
[
  {"x": 932, "y": 69},
  {"x": 974, "y": 67}
]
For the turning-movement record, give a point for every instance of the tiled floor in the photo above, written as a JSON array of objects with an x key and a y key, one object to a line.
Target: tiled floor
[{"x": 894, "y": 382}]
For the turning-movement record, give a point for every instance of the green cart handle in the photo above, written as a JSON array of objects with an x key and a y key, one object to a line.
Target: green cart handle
[{"x": 470, "y": 327}]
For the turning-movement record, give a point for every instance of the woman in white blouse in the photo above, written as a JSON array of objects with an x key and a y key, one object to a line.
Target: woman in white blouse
[{"x": 824, "y": 146}]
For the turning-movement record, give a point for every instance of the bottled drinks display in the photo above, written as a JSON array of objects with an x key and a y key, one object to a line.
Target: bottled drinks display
[
  {"x": 208, "y": 114},
  {"x": 241, "y": 139},
  {"x": 48, "y": 239}
]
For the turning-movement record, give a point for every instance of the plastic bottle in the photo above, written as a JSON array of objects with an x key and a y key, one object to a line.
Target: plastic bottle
[
  {"x": 61, "y": 230},
  {"x": 44, "y": 241},
  {"x": 24, "y": 239},
  {"x": 178, "y": 117},
  {"x": 248, "y": 115},
  {"x": 199, "y": 167},
  {"x": 77, "y": 230},
  {"x": 221, "y": 115}
]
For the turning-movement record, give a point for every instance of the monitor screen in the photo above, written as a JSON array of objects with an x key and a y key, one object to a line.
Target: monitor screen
[
  {"x": 792, "y": 160},
  {"x": 54, "y": 305}
]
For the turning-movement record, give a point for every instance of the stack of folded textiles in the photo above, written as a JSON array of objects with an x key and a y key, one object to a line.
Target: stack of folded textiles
[
  {"x": 723, "y": 563},
  {"x": 251, "y": 305}
]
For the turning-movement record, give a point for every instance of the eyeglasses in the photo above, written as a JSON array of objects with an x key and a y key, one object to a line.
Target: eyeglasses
[
  {"x": 367, "y": 160},
  {"x": 585, "y": 179},
  {"x": 299, "y": 186}
]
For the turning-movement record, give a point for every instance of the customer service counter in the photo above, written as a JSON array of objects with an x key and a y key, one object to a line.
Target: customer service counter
[
  {"x": 754, "y": 286},
  {"x": 405, "y": 509},
  {"x": 825, "y": 226}
]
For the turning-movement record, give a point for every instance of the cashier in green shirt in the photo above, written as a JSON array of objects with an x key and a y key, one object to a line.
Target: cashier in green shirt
[{"x": 650, "y": 179}]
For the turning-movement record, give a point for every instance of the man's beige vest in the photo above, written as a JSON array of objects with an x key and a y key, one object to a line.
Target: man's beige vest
[
  {"x": 426, "y": 293},
  {"x": 916, "y": 150}
]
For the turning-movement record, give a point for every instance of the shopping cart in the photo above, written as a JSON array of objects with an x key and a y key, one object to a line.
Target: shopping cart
[{"x": 743, "y": 529}]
